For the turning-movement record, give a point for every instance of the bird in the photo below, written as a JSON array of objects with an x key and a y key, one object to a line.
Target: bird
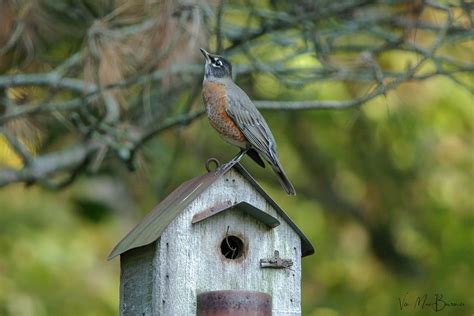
[{"x": 234, "y": 116}]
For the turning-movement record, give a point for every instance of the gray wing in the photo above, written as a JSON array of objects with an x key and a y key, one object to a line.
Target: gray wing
[{"x": 251, "y": 123}]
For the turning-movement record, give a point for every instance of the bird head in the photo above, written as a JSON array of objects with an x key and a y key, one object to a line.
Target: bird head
[{"x": 216, "y": 66}]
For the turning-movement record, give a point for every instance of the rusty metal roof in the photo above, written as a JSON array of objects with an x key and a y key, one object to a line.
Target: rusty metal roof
[{"x": 150, "y": 228}]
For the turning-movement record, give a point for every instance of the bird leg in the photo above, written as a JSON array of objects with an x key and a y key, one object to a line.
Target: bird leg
[
  {"x": 234, "y": 160},
  {"x": 240, "y": 155}
]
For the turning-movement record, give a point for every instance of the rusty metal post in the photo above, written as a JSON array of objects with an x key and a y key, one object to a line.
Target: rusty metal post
[{"x": 234, "y": 303}]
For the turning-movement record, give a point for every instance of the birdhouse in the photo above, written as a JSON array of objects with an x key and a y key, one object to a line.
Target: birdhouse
[{"x": 217, "y": 242}]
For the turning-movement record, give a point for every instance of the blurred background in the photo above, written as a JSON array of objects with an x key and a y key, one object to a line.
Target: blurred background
[{"x": 371, "y": 103}]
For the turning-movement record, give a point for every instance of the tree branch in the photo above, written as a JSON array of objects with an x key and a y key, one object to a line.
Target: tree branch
[
  {"x": 303, "y": 31},
  {"x": 45, "y": 166}
]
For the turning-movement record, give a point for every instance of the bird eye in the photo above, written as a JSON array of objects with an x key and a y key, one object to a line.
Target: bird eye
[{"x": 218, "y": 62}]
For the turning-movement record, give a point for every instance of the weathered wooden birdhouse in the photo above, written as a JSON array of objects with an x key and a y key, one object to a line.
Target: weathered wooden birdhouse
[{"x": 217, "y": 243}]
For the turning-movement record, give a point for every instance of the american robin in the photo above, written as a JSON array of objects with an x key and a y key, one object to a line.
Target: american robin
[{"x": 235, "y": 117}]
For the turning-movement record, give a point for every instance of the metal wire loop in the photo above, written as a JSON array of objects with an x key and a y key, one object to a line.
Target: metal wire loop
[{"x": 212, "y": 160}]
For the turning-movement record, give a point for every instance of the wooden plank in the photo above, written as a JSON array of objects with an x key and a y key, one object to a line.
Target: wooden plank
[
  {"x": 165, "y": 277},
  {"x": 136, "y": 281},
  {"x": 190, "y": 261}
]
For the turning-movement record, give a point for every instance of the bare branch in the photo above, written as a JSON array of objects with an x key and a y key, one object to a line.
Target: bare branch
[
  {"x": 220, "y": 10},
  {"x": 45, "y": 166},
  {"x": 50, "y": 80},
  {"x": 152, "y": 92}
]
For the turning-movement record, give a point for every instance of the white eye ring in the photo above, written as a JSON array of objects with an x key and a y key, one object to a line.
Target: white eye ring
[{"x": 217, "y": 62}]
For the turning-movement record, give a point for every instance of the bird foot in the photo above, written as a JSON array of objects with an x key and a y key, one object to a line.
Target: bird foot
[{"x": 234, "y": 160}]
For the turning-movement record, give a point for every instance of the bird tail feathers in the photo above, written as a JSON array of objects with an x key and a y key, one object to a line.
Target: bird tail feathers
[{"x": 284, "y": 181}]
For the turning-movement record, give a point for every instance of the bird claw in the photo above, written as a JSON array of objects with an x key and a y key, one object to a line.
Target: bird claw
[
  {"x": 226, "y": 166},
  {"x": 234, "y": 160}
]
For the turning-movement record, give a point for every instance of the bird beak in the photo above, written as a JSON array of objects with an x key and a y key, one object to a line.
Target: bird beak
[{"x": 206, "y": 55}]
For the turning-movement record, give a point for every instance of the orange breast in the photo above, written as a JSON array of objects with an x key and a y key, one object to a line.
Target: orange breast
[{"x": 215, "y": 99}]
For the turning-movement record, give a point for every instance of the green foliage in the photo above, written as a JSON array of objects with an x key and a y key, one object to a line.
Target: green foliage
[
  {"x": 53, "y": 262},
  {"x": 384, "y": 191}
]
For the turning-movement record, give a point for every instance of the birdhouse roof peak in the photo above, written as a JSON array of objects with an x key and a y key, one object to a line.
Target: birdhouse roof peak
[{"x": 150, "y": 228}]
